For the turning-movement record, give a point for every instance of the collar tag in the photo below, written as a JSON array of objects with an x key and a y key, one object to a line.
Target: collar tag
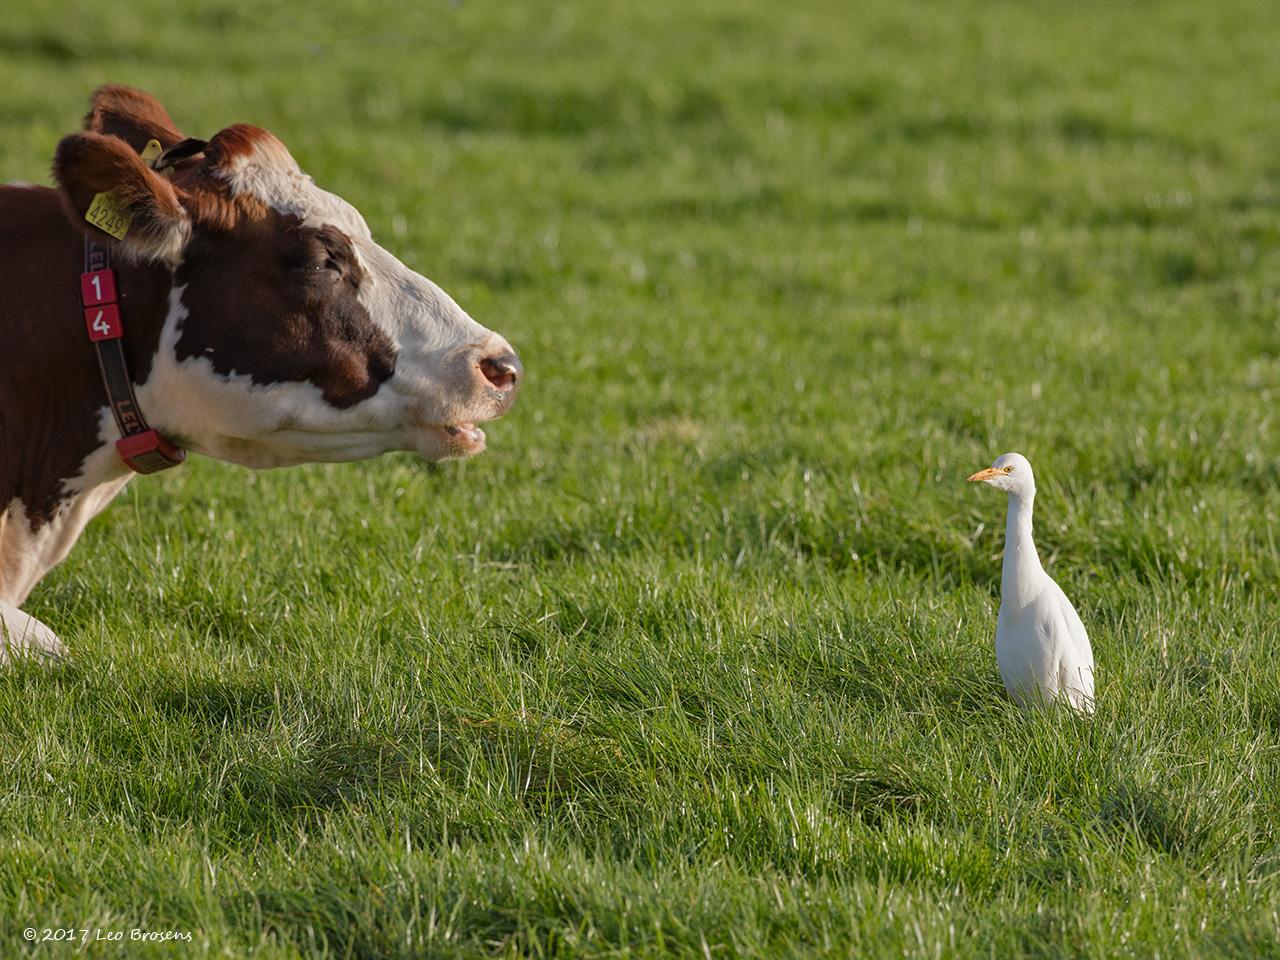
[
  {"x": 103, "y": 322},
  {"x": 142, "y": 449},
  {"x": 148, "y": 452},
  {"x": 98, "y": 287}
]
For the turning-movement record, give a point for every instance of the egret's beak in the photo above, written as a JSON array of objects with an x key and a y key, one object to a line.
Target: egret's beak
[{"x": 986, "y": 474}]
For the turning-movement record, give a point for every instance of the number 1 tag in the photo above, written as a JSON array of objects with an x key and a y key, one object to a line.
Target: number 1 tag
[{"x": 97, "y": 286}]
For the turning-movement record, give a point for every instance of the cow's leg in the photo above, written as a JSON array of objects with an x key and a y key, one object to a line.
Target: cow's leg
[
  {"x": 22, "y": 636},
  {"x": 30, "y": 549}
]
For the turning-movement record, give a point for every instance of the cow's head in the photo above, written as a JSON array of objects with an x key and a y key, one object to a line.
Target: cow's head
[{"x": 291, "y": 335}]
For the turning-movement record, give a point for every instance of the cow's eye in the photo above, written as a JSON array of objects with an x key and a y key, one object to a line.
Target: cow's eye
[
  {"x": 326, "y": 265},
  {"x": 329, "y": 254}
]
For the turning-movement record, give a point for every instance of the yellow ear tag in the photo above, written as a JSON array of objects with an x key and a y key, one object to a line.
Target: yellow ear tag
[
  {"x": 108, "y": 214},
  {"x": 151, "y": 151}
]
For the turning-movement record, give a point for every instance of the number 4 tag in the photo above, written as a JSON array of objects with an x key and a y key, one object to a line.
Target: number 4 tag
[{"x": 103, "y": 322}]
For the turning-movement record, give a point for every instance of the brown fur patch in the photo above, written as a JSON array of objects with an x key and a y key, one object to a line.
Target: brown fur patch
[
  {"x": 216, "y": 209},
  {"x": 132, "y": 115},
  {"x": 207, "y": 198},
  {"x": 243, "y": 140},
  {"x": 300, "y": 319}
]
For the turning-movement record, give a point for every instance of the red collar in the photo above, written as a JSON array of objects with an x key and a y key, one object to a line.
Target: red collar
[{"x": 141, "y": 448}]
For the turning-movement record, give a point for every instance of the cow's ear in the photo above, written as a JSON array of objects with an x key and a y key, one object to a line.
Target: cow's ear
[
  {"x": 131, "y": 207},
  {"x": 133, "y": 116}
]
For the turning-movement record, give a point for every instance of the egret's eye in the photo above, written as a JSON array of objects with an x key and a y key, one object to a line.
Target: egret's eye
[{"x": 1008, "y": 469}]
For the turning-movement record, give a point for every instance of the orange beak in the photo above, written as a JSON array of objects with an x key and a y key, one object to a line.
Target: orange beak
[{"x": 986, "y": 474}]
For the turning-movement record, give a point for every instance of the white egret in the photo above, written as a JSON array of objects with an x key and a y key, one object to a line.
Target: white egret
[{"x": 1041, "y": 645}]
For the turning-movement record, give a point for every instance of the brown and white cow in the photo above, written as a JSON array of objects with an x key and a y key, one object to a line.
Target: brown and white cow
[{"x": 263, "y": 325}]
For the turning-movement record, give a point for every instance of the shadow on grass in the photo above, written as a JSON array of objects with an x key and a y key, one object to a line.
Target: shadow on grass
[
  {"x": 214, "y": 701},
  {"x": 874, "y": 792},
  {"x": 333, "y": 772},
  {"x": 541, "y": 762},
  {"x": 1148, "y": 815}
]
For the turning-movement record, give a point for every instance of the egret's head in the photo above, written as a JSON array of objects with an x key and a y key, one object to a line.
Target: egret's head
[{"x": 1011, "y": 473}]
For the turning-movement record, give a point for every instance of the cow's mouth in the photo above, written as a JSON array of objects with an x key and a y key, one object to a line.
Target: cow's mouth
[
  {"x": 468, "y": 434},
  {"x": 450, "y": 442}
]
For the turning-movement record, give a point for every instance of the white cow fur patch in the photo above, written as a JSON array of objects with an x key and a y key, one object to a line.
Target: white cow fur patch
[
  {"x": 26, "y": 555},
  {"x": 259, "y": 425}
]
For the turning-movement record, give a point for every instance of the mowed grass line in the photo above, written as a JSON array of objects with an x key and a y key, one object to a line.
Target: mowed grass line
[{"x": 697, "y": 659}]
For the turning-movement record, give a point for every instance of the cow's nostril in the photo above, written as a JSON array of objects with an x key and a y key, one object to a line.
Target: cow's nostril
[{"x": 503, "y": 371}]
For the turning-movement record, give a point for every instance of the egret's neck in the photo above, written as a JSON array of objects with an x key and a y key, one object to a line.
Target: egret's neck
[{"x": 1021, "y": 563}]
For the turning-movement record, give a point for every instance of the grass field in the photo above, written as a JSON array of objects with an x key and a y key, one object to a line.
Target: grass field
[{"x": 697, "y": 660}]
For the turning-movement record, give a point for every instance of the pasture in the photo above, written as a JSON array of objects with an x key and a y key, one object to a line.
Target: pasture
[{"x": 697, "y": 660}]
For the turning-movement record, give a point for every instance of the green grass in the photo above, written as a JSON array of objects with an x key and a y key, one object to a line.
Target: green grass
[{"x": 697, "y": 660}]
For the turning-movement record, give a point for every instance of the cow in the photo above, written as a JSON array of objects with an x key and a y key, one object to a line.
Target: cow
[{"x": 173, "y": 293}]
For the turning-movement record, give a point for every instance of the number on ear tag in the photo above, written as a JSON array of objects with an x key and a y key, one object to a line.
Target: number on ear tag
[{"x": 108, "y": 214}]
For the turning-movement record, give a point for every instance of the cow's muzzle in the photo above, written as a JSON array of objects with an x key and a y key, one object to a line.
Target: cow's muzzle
[{"x": 494, "y": 374}]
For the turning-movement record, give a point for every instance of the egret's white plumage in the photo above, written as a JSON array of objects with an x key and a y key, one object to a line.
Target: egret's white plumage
[{"x": 1041, "y": 645}]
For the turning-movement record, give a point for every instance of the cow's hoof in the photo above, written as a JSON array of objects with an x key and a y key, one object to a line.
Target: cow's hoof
[{"x": 23, "y": 637}]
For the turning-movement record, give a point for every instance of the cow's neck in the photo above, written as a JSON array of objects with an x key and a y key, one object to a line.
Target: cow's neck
[{"x": 58, "y": 465}]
